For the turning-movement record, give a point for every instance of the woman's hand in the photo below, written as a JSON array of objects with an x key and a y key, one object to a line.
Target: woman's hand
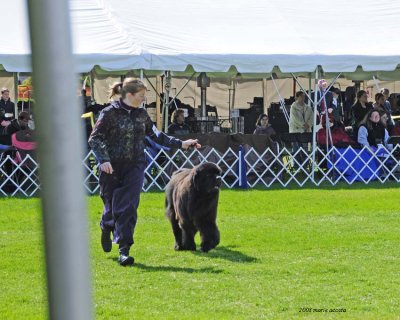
[
  {"x": 106, "y": 167},
  {"x": 191, "y": 143}
]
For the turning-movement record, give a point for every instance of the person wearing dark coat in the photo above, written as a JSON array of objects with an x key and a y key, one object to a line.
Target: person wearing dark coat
[
  {"x": 178, "y": 125},
  {"x": 7, "y": 107},
  {"x": 15, "y": 125},
  {"x": 263, "y": 127},
  {"x": 359, "y": 110},
  {"x": 118, "y": 143}
]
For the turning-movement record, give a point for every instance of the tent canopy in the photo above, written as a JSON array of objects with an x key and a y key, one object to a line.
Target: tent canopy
[{"x": 241, "y": 36}]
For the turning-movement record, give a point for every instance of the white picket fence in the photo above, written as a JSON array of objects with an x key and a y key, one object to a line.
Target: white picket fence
[{"x": 244, "y": 168}]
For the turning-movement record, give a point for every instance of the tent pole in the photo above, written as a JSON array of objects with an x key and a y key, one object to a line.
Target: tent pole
[
  {"x": 167, "y": 87},
  {"x": 265, "y": 105},
  {"x": 309, "y": 88},
  {"x": 234, "y": 85},
  {"x": 314, "y": 132},
  {"x": 60, "y": 156},
  {"x": 158, "y": 103},
  {"x": 91, "y": 77},
  {"x": 16, "y": 95}
]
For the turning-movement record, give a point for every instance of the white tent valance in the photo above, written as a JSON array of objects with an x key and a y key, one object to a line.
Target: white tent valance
[{"x": 250, "y": 36}]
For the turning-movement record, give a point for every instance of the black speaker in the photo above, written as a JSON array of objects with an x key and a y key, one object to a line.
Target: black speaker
[
  {"x": 250, "y": 117},
  {"x": 277, "y": 119}
]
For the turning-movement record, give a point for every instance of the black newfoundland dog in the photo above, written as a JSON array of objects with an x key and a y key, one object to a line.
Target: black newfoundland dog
[{"x": 191, "y": 205}]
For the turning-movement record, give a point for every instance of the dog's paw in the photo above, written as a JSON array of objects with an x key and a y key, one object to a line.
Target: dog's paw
[
  {"x": 178, "y": 247},
  {"x": 205, "y": 247}
]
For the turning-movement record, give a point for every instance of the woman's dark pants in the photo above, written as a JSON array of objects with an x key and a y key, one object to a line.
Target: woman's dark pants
[{"x": 120, "y": 192}]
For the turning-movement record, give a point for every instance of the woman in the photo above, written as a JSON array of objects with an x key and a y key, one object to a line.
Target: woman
[
  {"x": 379, "y": 101},
  {"x": 118, "y": 142},
  {"x": 178, "y": 125},
  {"x": 263, "y": 127},
  {"x": 359, "y": 109},
  {"x": 371, "y": 131}
]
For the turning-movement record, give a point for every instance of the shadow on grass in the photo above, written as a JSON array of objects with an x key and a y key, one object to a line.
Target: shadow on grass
[
  {"x": 176, "y": 269},
  {"x": 227, "y": 254},
  {"x": 149, "y": 268}
]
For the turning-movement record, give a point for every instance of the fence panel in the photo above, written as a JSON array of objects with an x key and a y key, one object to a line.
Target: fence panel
[{"x": 272, "y": 167}]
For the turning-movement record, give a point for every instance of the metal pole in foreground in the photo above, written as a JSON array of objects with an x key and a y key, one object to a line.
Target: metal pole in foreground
[{"x": 60, "y": 140}]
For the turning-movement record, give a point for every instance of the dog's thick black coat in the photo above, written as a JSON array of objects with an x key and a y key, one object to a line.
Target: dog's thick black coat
[{"x": 191, "y": 205}]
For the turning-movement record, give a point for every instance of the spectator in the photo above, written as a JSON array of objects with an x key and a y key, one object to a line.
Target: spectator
[
  {"x": 327, "y": 101},
  {"x": 337, "y": 110},
  {"x": 379, "y": 101},
  {"x": 14, "y": 125},
  {"x": 263, "y": 127},
  {"x": 384, "y": 119},
  {"x": 301, "y": 115},
  {"x": 359, "y": 110},
  {"x": 7, "y": 106},
  {"x": 371, "y": 132},
  {"x": 387, "y": 106},
  {"x": 178, "y": 125},
  {"x": 339, "y": 136},
  {"x": 300, "y": 121}
]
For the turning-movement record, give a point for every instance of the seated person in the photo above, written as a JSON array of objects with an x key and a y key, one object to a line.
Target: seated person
[
  {"x": 340, "y": 138},
  {"x": 178, "y": 125},
  {"x": 371, "y": 131},
  {"x": 379, "y": 101},
  {"x": 360, "y": 109},
  {"x": 386, "y": 117},
  {"x": 263, "y": 127},
  {"x": 14, "y": 125}
]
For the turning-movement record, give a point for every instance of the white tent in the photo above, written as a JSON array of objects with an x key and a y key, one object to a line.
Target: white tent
[{"x": 245, "y": 36}]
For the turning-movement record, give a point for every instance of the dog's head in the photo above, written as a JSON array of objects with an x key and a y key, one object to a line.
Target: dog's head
[{"x": 207, "y": 177}]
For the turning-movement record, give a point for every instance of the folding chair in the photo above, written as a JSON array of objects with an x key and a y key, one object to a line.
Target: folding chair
[{"x": 26, "y": 172}]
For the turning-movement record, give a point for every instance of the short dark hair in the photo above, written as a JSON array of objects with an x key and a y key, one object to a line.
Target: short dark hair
[
  {"x": 361, "y": 93},
  {"x": 23, "y": 115},
  {"x": 299, "y": 93}
]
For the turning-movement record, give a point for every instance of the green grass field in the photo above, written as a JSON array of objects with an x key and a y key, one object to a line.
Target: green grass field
[{"x": 284, "y": 254}]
